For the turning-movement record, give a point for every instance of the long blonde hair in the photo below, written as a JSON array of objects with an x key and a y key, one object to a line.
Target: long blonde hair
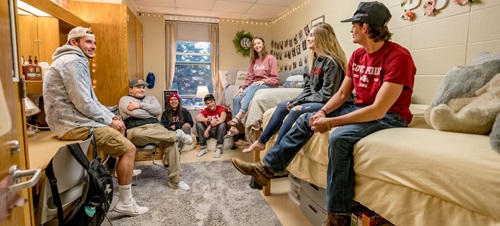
[
  {"x": 326, "y": 45},
  {"x": 253, "y": 53}
]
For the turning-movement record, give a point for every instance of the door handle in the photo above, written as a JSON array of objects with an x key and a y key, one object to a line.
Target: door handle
[
  {"x": 13, "y": 146},
  {"x": 17, "y": 174}
]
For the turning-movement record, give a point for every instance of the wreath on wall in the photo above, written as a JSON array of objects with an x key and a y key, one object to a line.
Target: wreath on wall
[{"x": 242, "y": 42}]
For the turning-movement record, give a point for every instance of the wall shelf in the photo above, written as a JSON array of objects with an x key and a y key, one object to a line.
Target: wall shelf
[{"x": 34, "y": 87}]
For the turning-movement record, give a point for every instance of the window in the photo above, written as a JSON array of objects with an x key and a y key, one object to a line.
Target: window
[{"x": 192, "y": 69}]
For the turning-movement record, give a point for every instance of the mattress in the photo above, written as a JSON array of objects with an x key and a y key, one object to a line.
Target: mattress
[
  {"x": 415, "y": 176},
  {"x": 428, "y": 176}
]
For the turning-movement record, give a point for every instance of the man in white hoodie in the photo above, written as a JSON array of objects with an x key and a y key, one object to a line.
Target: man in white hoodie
[{"x": 72, "y": 109}]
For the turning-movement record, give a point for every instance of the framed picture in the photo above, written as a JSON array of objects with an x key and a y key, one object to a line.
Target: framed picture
[
  {"x": 306, "y": 30},
  {"x": 167, "y": 93},
  {"x": 317, "y": 20}
]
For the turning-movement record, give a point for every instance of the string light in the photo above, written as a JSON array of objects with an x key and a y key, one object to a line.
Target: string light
[
  {"x": 297, "y": 7},
  {"x": 217, "y": 20}
]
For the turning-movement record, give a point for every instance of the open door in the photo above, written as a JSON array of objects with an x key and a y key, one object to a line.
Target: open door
[{"x": 16, "y": 204}]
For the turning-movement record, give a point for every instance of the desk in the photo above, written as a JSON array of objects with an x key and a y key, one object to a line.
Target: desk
[{"x": 42, "y": 147}]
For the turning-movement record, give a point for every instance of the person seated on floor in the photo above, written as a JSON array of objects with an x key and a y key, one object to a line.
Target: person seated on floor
[
  {"x": 211, "y": 123},
  {"x": 72, "y": 110},
  {"x": 140, "y": 114},
  {"x": 262, "y": 74},
  {"x": 327, "y": 61},
  {"x": 382, "y": 73},
  {"x": 176, "y": 117}
]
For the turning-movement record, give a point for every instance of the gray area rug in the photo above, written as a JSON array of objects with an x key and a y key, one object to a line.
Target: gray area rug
[{"x": 219, "y": 195}]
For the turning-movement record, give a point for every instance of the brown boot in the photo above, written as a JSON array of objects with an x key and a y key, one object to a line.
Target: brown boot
[
  {"x": 337, "y": 220},
  {"x": 259, "y": 170}
]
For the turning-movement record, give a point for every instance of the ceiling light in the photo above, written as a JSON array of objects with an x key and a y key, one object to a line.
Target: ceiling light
[{"x": 31, "y": 9}]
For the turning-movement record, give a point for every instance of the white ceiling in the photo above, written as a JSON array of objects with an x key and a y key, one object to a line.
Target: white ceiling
[{"x": 264, "y": 10}]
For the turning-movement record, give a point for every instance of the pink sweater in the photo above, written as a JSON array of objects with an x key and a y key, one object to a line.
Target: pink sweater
[{"x": 263, "y": 70}]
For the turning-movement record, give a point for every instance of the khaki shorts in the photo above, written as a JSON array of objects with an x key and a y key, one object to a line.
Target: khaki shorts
[{"x": 109, "y": 140}]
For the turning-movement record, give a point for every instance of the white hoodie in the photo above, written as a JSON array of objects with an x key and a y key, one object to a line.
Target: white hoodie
[{"x": 69, "y": 99}]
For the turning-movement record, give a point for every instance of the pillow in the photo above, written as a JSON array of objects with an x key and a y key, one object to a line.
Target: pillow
[
  {"x": 283, "y": 75},
  {"x": 495, "y": 134},
  {"x": 464, "y": 81},
  {"x": 295, "y": 78},
  {"x": 485, "y": 56},
  {"x": 224, "y": 78},
  {"x": 299, "y": 71},
  {"x": 232, "y": 74},
  {"x": 241, "y": 76},
  {"x": 294, "y": 81}
]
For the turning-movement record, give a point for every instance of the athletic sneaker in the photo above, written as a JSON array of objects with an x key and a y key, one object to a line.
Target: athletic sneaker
[
  {"x": 184, "y": 138},
  {"x": 181, "y": 185},
  {"x": 131, "y": 209},
  {"x": 217, "y": 153},
  {"x": 135, "y": 173},
  {"x": 202, "y": 152}
]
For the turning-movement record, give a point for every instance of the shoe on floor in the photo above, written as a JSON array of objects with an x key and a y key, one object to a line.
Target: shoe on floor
[
  {"x": 183, "y": 137},
  {"x": 181, "y": 185},
  {"x": 131, "y": 209},
  {"x": 217, "y": 153},
  {"x": 135, "y": 173},
  {"x": 202, "y": 152},
  {"x": 259, "y": 170}
]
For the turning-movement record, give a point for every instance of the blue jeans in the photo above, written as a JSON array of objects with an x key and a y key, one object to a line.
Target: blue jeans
[
  {"x": 276, "y": 122},
  {"x": 248, "y": 94},
  {"x": 340, "y": 173}
]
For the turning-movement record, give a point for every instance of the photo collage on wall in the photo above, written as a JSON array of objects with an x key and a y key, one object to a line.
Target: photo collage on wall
[{"x": 291, "y": 52}]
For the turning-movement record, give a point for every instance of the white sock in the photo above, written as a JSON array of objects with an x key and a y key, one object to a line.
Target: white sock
[{"x": 125, "y": 192}]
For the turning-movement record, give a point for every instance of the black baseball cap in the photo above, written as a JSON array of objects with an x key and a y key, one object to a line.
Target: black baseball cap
[
  {"x": 373, "y": 13},
  {"x": 208, "y": 97}
]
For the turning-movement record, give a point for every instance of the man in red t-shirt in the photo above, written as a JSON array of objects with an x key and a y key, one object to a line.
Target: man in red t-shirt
[
  {"x": 211, "y": 123},
  {"x": 382, "y": 74}
]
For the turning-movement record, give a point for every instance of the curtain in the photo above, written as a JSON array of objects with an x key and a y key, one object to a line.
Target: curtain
[
  {"x": 170, "y": 50},
  {"x": 214, "y": 52}
]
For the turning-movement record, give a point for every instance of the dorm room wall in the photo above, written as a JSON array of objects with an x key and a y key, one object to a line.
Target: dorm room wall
[
  {"x": 154, "y": 47},
  {"x": 453, "y": 37}
]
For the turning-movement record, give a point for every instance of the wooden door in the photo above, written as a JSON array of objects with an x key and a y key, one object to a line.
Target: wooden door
[{"x": 12, "y": 151}]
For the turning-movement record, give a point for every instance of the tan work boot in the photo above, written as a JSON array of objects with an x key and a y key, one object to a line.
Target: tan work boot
[
  {"x": 337, "y": 220},
  {"x": 259, "y": 170}
]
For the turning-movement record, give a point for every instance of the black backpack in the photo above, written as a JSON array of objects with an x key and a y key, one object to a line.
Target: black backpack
[{"x": 93, "y": 205}]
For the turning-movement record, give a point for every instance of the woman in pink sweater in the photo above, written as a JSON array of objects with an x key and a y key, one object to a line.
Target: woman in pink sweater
[{"x": 262, "y": 74}]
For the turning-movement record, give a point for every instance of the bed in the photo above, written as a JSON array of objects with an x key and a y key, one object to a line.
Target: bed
[
  {"x": 263, "y": 100},
  {"x": 427, "y": 177}
]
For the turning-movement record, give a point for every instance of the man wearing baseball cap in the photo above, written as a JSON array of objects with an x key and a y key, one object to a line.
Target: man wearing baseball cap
[
  {"x": 211, "y": 122},
  {"x": 140, "y": 114},
  {"x": 382, "y": 74},
  {"x": 72, "y": 109}
]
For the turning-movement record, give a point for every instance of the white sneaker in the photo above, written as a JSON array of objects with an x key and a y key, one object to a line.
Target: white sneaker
[
  {"x": 183, "y": 137},
  {"x": 217, "y": 153},
  {"x": 131, "y": 209},
  {"x": 136, "y": 172},
  {"x": 181, "y": 185},
  {"x": 202, "y": 152}
]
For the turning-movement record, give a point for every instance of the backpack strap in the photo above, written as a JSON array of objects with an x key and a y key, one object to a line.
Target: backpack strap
[
  {"x": 49, "y": 172},
  {"x": 77, "y": 152}
]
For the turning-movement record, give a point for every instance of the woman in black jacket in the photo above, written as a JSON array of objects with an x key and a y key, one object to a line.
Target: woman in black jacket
[
  {"x": 327, "y": 62},
  {"x": 176, "y": 118}
]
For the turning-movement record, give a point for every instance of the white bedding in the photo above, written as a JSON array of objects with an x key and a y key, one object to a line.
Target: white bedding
[{"x": 263, "y": 100}]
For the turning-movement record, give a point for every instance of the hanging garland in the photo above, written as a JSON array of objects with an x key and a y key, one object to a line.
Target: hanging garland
[{"x": 242, "y": 42}]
